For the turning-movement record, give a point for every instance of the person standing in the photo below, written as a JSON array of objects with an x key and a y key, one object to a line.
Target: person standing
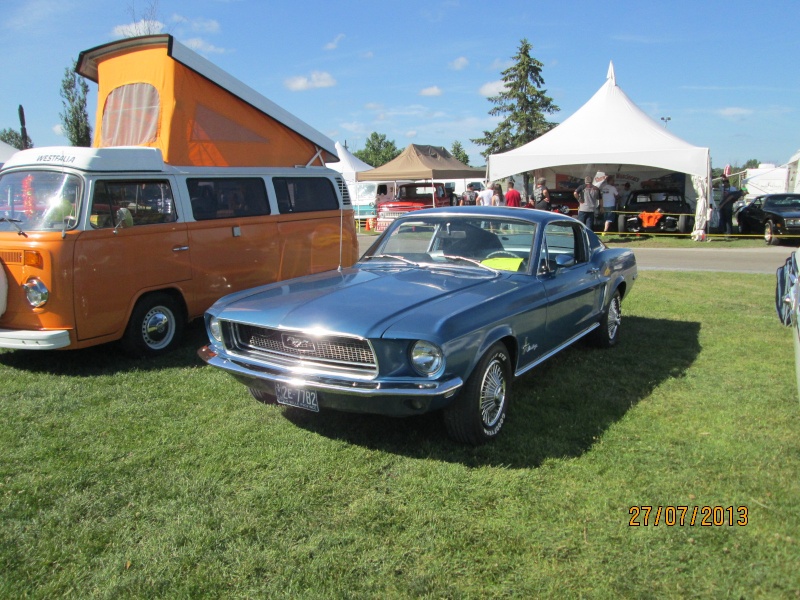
[
  {"x": 512, "y": 196},
  {"x": 541, "y": 195},
  {"x": 498, "y": 199},
  {"x": 485, "y": 195},
  {"x": 729, "y": 195},
  {"x": 468, "y": 198},
  {"x": 610, "y": 195},
  {"x": 588, "y": 197}
]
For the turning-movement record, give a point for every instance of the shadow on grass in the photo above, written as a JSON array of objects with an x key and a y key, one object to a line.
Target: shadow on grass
[
  {"x": 106, "y": 359},
  {"x": 558, "y": 410}
]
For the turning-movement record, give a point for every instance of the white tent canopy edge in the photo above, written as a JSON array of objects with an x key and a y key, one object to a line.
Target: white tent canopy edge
[{"x": 610, "y": 130}]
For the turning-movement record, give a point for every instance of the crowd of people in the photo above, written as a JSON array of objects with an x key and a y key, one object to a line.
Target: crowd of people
[{"x": 604, "y": 200}]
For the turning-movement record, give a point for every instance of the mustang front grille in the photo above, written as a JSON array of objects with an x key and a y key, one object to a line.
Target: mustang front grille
[{"x": 300, "y": 349}]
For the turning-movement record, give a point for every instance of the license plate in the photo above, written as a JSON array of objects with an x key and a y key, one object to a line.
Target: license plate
[{"x": 297, "y": 397}]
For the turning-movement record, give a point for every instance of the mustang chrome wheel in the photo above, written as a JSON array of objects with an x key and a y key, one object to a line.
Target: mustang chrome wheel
[
  {"x": 493, "y": 394},
  {"x": 479, "y": 411}
]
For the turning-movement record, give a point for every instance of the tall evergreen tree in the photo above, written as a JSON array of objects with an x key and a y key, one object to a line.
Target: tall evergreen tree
[
  {"x": 75, "y": 119},
  {"x": 458, "y": 152},
  {"x": 523, "y": 103},
  {"x": 377, "y": 150}
]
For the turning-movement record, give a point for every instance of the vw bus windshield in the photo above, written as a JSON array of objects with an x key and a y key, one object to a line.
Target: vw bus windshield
[{"x": 39, "y": 201}]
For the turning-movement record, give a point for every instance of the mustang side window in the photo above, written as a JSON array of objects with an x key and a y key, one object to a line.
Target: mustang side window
[
  {"x": 565, "y": 239},
  {"x": 226, "y": 197},
  {"x": 127, "y": 203}
]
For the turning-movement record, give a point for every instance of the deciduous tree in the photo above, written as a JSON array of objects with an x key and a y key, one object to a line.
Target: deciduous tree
[
  {"x": 377, "y": 150},
  {"x": 457, "y": 150}
]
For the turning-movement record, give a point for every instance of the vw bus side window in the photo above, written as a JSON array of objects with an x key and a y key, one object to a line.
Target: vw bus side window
[
  {"x": 225, "y": 197},
  {"x": 39, "y": 201},
  {"x": 127, "y": 203},
  {"x": 305, "y": 194}
]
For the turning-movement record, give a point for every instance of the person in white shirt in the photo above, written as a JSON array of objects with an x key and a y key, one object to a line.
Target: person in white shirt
[
  {"x": 485, "y": 195},
  {"x": 609, "y": 194}
]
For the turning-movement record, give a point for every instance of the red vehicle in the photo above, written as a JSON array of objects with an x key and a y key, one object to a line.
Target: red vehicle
[{"x": 412, "y": 196}]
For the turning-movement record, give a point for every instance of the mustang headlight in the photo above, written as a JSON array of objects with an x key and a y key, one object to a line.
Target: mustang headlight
[
  {"x": 792, "y": 222},
  {"x": 36, "y": 292},
  {"x": 215, "y": 329},
  {"x": 426, "y": 358}
]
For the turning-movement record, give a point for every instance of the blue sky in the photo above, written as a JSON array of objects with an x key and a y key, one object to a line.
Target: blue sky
[{"x": 420, "y": 71}]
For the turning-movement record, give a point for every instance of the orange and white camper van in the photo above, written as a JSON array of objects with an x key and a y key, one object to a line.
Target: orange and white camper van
[{"x": 177, "y": 204}]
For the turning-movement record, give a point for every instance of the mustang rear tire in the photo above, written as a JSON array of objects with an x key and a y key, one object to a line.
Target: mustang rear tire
[
  {"x": 607, "y": 334},
  {"x": 622, "y": 223},
  {"x": 155, "y": 328},
  {"x": 478, "y": 413},
  {"x": 685, "y": 223}
]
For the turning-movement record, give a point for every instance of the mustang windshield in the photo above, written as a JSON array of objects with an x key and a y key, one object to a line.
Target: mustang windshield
[
  {"x": 39, "y": 201},
  {"x": 502, "y": 244}
]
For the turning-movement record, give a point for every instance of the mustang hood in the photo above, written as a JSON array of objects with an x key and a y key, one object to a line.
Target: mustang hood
[{"x": 362, "y": 302}]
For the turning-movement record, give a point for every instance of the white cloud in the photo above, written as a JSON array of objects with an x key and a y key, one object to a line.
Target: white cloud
[
  {"x": 335, "y": 43},
  {"x": 318, "y": 79},
  {"x": 203, "y": 47},
  {"x": 734, "y": 113},
  {"x": 34, "y": 12},
  {"x": 373, "y": 106},
  {"x": 434, "y": 90},
  {"x": 411, "y": 134},
  {"x": 205, "y": 26},
  {"x": 493, "y": 88},
  {"x": 460, "y": 63},
  {"x": 140, "y": 27},
  {"x": 58, "y": 129}
]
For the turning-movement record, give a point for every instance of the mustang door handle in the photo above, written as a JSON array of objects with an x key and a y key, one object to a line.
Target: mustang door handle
[{"x": 180, "y": 248}]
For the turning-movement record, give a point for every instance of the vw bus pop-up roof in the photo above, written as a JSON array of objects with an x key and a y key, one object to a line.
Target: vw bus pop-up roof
[{"x": 155, "y": 92}]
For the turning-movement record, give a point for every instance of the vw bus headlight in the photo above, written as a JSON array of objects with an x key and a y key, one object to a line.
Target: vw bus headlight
[
  {"x": 36, "y": 292},
  {"x": 426, "y": 358},
  {"x": 215, "y": 329}
]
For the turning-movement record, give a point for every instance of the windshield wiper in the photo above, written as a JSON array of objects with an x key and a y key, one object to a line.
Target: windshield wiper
[
  {"x": 14, "y": 223},
  {"x": 394, "y": 256},
  {"x": 470, "y": 260}
]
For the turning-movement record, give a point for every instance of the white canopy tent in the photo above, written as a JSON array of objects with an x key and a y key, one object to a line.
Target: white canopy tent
[
  {"x": 6, "y": 152},
  {"x": 348, "y": 164},
  {"x": 610, "y": 133}
]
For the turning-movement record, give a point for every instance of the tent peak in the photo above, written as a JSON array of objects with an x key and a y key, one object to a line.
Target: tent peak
[{"x": 611, "y": 74}]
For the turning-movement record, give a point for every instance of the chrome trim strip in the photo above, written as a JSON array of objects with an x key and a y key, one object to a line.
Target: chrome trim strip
[{"x": 569, "y": 342}]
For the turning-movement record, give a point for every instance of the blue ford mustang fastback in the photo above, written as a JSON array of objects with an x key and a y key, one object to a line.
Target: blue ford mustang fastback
[{"x": 443, "y": 312}]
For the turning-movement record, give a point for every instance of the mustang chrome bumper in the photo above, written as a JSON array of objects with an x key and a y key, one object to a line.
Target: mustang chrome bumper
[{"x": 389, "y": 397}]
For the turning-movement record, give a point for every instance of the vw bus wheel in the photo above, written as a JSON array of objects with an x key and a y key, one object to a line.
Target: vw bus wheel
[
  {"x": 478, "y": 413},
  {"x": 155, "y": 327}
]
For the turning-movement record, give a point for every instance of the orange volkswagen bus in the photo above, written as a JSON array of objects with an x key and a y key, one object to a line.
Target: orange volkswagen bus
[{"x": 104, "y": 244}]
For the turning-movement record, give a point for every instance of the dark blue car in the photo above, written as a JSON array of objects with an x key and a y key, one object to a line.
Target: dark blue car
[{"x": 443, "y": 312}]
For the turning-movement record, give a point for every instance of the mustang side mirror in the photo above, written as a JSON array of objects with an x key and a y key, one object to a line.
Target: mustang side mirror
[{"x": 565, "y": 260}]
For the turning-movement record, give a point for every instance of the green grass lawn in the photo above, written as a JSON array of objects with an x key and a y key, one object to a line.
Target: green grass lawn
[{"x": 165, "y": 479}]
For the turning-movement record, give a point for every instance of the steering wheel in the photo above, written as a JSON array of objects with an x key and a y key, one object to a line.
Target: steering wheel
[{"x": 502, "y": 254}]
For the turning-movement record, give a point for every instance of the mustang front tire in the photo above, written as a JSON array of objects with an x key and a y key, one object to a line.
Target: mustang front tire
[
  {"x": 263, "y": 397},
  {"x": 478, "y": 413}
]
